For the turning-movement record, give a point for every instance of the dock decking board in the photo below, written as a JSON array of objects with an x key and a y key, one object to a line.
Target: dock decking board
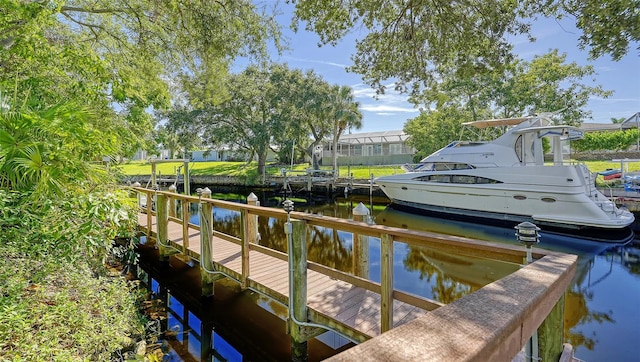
[{"x": 355, "y": 308}]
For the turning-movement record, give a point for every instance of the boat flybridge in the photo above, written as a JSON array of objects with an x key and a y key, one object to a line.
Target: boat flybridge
[{"x": 507, "y": 179}]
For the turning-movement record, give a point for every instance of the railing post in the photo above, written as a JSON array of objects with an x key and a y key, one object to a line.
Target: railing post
[
  {"x": 252, "y": 220},
  {"x": 162, "y": 227},
  {"x": 186, "y": 215},
  {"x": 187, "y": 182},
  {"x": 386, "y": 282},
  {"x": 149, "y": 208},
  {"x": 298, "y": 299},
  {"x": 244, "y": 239},
  {"x": 206, "y": 244},
  {"x": 360, "y": 244},
  {"x": 249, "y": 235},
  {"x": 172, "y": 202}
]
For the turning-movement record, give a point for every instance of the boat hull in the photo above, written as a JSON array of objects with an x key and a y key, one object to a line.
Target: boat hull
[
  {"x": 556, "y": 199},
  {"x": 569, "y": 239}
]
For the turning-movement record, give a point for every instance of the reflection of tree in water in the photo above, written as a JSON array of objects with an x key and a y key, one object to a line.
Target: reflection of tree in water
[
  {"x": 444, "y": 288},
  {"x": 272, "y": 233},
  {"x": 228, "y": 223},
  {"x": 576, "y": 309},
  {"x": 325, "y": 246},
  {"x": 576, "y": 313}
]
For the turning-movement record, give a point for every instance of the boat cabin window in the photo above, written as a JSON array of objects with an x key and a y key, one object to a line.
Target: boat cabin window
[
  {"x": 528, "y": 149},
  {"x": 518, "y": 148},
  {"x": 443, "y": 166},
  {"x": 457, "y": 179}
]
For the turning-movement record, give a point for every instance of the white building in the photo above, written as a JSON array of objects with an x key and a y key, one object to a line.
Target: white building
[{"x": 370, "y": 148}]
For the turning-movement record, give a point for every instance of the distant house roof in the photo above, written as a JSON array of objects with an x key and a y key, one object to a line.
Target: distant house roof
[
  {"x": 632, "y": 121},
  {"x": 599, "y": 127},
  {"x": 374, "y": 137}
]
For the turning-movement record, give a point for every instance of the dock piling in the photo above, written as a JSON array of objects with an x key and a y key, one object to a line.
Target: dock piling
[
  {"x": 162, "y": 219},
  {"x": 172, "y": 202},
  {"x": 206, "y": 244},
  {"x": 360, "y": 244},
  {"x": 298, "y": 295}
]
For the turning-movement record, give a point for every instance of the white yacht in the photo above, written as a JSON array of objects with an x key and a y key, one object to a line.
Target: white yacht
[{"x": 507, "y": 179}]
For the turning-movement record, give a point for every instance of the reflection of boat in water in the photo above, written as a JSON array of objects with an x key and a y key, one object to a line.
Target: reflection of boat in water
[
  {"x": 392, "y": 216},
  {"x": 507, "y": 180}
]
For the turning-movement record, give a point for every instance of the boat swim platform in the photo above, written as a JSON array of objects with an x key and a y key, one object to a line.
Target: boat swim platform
[{"x": 492, "y": 323}]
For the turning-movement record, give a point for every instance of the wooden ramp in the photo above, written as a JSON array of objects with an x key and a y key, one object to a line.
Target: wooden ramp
[{"x": 336, "y": 302}]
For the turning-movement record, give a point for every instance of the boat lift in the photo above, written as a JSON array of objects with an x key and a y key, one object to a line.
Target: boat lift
[{"x": 154, "y": 161}]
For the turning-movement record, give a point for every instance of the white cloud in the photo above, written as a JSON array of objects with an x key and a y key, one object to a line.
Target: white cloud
[
  {"x": 389, "y": 104},
  {"x": 386, "y": 108},
  {"x": 315, "y": 61},
  {"x": 614, "y": 100}
]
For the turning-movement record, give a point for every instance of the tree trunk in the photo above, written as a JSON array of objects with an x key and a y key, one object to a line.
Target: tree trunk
[
  {"x": 315, "y": 164},
  {"x": 334, "y": 152},
  {"x": 262, "y": 161}
]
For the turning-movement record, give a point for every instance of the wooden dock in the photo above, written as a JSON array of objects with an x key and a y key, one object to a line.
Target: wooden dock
[
  {"x": 349, "y": 303},
  {"x": 354, "y": 308}
]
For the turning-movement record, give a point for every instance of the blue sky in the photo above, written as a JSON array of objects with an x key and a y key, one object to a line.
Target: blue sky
[{"x": 391, "y": 111}]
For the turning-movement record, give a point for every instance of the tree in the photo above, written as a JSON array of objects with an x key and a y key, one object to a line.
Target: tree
[
  {"x": 249, "y": 120},
  {"x": 432, "y": 130},
  {"x": 618, "y": 120},
  {"x": 269, "y": 109},
  {"x": 409, "y": 41},
  {"x": 346, "y": 115},
  {"x": 180, "y": 131},
  {"x": 546, "y": 84},
  {"x": 48, "y": 151},
  {"x": 120, "y": 57},
  {"x": 608, "y": 27}
]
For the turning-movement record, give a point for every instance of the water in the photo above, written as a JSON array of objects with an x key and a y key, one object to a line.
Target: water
[{"x": 601, "y": 316}]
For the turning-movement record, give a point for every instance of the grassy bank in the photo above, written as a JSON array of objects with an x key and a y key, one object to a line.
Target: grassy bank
[{"x": 249, "y": 170}]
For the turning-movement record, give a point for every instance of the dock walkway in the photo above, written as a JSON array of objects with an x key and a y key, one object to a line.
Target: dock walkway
[{"x": 355, "y": 308}]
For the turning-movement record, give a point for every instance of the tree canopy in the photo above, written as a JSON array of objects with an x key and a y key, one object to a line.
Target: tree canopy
[
  {"x": 271, "y": 109},
  {"x": 543, "y": 85},
  {"x": 120, "y": 57},
  {"x": 412, "y": 42}
]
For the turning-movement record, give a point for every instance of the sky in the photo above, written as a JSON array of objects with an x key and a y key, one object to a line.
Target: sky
[{"x": 391, "y": 111}]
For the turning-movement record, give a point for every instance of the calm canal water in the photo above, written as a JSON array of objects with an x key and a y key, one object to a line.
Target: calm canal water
[{"x": 602, "y": 320}]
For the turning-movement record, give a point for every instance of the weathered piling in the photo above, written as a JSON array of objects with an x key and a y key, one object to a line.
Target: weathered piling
[
  {"x": 172, "y": 202},
  {"x": 361, "y": 244},
  {"x": 249, "y": 234},
  {"x": 298, "y": 296},
  {"x": 386, "y": 282},
  {"x": 551, "y": 334},
  {"x": 206, "y": 245},
  {"x": 162, "y": 219},
  {"x": 546, "y": 343}
]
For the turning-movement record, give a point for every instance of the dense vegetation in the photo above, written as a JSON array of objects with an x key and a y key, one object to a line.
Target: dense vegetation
[
  {"x": 607, "y": 141},
  {"x": 59, "y": 217}
]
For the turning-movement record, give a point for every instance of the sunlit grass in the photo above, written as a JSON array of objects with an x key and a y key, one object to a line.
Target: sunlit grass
[
  {"x": 243, "y": 169},
  {"x": 249, "y": 170}
]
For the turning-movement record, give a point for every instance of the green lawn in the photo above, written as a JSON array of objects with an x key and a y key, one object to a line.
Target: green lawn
[{"x": 242, "y": 169}]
